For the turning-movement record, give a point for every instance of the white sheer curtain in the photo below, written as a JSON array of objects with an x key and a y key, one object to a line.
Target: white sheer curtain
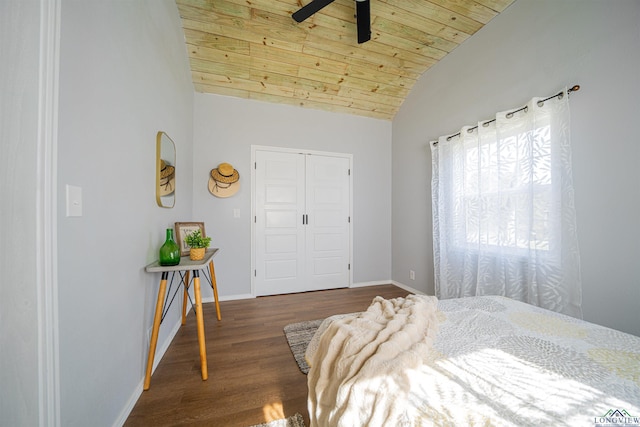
[{"x": 503, "y": 209}]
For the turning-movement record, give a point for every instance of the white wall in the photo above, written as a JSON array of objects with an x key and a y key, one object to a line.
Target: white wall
[
  {"x": 224, "y": 130},
  {"x": 19, "y": 73},
  {"x": 124, "y": 76},
  {"x": 535, "y": 48}
]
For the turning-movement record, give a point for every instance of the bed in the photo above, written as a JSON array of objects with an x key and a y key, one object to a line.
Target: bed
[{"x": 487, "y": 360}]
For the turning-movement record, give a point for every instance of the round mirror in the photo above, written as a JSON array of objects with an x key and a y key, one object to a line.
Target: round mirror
[{"x": 165, "y": 171}]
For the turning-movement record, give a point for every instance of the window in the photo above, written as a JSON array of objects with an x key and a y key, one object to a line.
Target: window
[{"x": 506, "y": 197}]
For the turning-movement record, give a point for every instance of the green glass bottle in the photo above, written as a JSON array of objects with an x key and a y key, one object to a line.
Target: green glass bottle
[{"x": 170, "y": 251}]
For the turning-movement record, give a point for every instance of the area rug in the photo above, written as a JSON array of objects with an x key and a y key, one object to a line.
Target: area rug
[
  {"x": 294, "y": 421},
  {"x": 298, "y": 335}
]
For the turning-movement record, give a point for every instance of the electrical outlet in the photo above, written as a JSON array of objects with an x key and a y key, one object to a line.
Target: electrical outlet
[{"x": 412, "y": 275}]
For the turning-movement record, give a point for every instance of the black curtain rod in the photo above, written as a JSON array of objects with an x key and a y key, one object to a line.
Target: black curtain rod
[{"x": 574, "y": 88}]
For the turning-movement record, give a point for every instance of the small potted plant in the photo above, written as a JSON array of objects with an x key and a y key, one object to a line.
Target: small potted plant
[{"x": 198, "y": 244}]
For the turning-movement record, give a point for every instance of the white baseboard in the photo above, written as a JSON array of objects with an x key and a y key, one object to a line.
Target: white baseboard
[
  {"x": 228, "y": 298},
  {"x": 374, "y": 283},
  {"x": 126, "y": 411},
  {"x": 235, "y": 297},
  {"x": 407, "y": 288}
]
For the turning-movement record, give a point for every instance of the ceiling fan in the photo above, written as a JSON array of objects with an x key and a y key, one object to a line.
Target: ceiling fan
[{"x": 363, "y": 16}]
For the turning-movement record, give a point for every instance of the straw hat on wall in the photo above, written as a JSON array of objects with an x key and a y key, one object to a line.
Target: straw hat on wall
[{"x": 224, "y": 181}]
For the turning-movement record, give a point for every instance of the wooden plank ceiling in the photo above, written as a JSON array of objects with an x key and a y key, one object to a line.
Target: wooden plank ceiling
[{"x": 254, "y": 49}]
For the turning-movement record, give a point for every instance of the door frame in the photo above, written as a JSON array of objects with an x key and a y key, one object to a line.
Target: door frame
[
  {"x": 46, "y": 208},
  {"x": 255, "y": 148}
]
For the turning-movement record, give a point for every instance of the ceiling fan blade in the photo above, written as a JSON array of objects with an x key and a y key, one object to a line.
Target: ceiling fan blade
[
  {"x": 363, "y": 15},
  {"x": 309, "y": 9}
]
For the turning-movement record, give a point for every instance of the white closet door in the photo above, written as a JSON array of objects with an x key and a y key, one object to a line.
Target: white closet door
[
  {"x": 279, "y": 232},
  {"x": 302, "y": 226},
  {"x": 327, "y": 222}
]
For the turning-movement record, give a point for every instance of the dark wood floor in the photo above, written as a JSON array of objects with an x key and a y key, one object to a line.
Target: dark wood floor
[{"x": 253, "y": 377}]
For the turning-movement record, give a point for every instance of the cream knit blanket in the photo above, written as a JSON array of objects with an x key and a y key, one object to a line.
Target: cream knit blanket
[{"x": 361, "y": 364}]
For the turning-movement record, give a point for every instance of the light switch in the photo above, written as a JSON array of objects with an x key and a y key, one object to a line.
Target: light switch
[
  {"x": 74, "y": 200},
  {"x": 236, "y": 213}
]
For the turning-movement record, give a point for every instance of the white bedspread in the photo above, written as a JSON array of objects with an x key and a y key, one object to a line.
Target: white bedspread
[
  {"x": 494, "y": 361},
  {"x": 353, "y": 380}
]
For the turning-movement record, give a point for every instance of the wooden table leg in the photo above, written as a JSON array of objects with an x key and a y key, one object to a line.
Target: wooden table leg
[
  {"x": 156, "y": 327},
  {"x": 200, "y": 325},
  {"x": 185, "y": 297},
  {"x": 214, "y": 285}
]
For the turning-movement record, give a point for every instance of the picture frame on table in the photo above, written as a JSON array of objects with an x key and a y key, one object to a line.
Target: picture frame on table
[{"x": 183, "y": 229}]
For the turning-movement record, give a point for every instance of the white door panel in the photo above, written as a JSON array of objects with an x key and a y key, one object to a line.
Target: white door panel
[
  {"x": 329, "y": 218},
  {"x": 327, "y": 204},
  {"x": 280, "y": 168},
  {"x": 286, "y": 269},
  {"x": 330, "y": 195},
  {"x": 327, "y": 266},
  {"x": 327, "y": 242},
  {"x": 277, "y": 244},
  {"x": 279, "y": 231},
  {"x": 277, "y": 218},
  {"x": 281, "y": 194}
]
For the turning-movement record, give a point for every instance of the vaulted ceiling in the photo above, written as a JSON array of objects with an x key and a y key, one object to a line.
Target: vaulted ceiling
[{"x": 254, "y": 49}]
